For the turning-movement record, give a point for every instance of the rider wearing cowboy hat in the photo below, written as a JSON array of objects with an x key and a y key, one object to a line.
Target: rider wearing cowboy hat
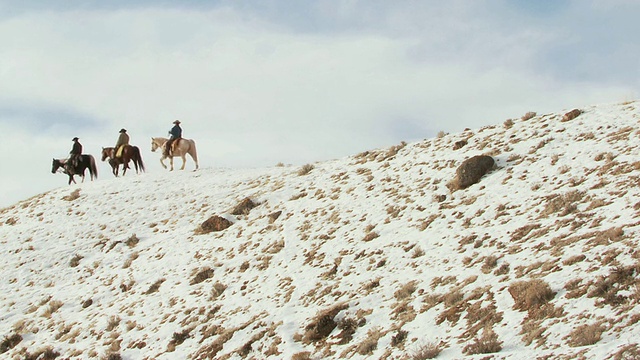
[
  {"x": 123, "y": 140},
  {"x": 174, "y": 134},
  {"x": 75, "y": 153}
]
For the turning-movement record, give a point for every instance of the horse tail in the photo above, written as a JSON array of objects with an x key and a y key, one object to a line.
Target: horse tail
[
  {"x": 138, "y": 159},
  {"x": 93, "y": 169}
]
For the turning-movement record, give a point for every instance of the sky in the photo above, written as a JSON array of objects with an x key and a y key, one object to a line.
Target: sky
[{"x": 257, "y": 84}]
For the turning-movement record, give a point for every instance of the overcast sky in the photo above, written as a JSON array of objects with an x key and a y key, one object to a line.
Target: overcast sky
[{"x": 294, "y": 82}]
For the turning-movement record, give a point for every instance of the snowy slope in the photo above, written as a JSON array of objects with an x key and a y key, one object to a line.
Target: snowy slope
[{"x": 371, "y": 256}]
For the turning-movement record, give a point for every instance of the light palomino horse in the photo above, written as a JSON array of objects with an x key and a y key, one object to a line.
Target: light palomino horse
[{"x": 183, "y": 147}]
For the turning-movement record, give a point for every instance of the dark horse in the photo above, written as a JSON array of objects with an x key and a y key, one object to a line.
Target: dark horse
[
  {"x": 86, "y": 162},
  {"x": 129, "y": 153}
]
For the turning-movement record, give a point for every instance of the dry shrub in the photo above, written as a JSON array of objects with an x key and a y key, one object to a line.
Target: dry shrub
[
  {"x": 54, "y": 305},
  {"x": 619, "y": 279},
  {"x": 370, "y": 236},
  {"x": 113, "y": 322},
  {"x": 487, "y": 344},
  {"x": 368, "y": 345},
  {"x": 502, "y": 270},
  {"x": 303, "y": 355},
  {"x": 628, "y": 352},
  {"x": 177, "y": 339},
  {"x": 202, "y": 275},
  {"x": 529, "y": 295},
  {"x": 218, "y": 289},
  {"x": 564, "y": 204},
  {"x": 489, "y": 263},
  {"x": 348, "y": 327},
  {"x": 9, "y": 342},
  {"x": 132, "y": 241},
  {"x": 73, "y": 196},
  {"x": 75, "y": 260},
  {"x": 585, "y": 335},
  {"x": 322, "y": 324},
  {"x": 426, "y": 351},
  {"x": 244, "y": 207},
  {"x": 528, "y": 116},
  {"x": 399, "y": 338},
  {"x": 574, "y": 259},
  {"x": 508, "y": 123},
  {"x": 305, "y": 169},
  {"x": 154, "y": 287},
  {"x": 405, "y": 291},
  {"x": 46, "y": 353}
]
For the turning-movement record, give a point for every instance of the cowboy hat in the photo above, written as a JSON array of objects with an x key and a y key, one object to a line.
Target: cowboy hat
[
  {"x": 177, "y": 122},
  {"x": 123, "y": 130},
  {"x": 74, "y": 139}
]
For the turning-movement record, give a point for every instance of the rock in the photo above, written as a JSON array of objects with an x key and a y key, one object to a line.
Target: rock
[
  {"x": 471, "y": 170},
  {"x": 459, "y": 144},
  {"x": 571, "y": 115},
  {"x": 214, "y": 223}
]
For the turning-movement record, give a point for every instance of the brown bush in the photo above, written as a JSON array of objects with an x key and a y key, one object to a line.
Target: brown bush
[
  {"x": 487, "y": 344},
  {"x": 530, "y": 295},
  {"x": 586, "y": 335}
]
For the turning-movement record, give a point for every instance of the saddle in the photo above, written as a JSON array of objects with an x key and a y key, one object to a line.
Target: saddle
[
  {"x": 174, "y": 144},
  {"x": 119, "y": 151}
]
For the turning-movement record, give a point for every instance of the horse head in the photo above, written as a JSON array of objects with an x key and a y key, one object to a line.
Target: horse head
[
  {"x": 105, "y": 153},
  {"x": 55, "y": 165},
  {"x": 156, "y": 143}
]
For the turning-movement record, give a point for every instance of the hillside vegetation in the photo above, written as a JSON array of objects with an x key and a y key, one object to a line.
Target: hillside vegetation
[{"x": 381, "y": 255}]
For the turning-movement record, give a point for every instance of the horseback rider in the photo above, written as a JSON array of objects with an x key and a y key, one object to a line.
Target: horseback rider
[
  {"x": 174, "y": 134},
  {"x": 123, "y": 140},
  {"x": 75, "y": 153}
]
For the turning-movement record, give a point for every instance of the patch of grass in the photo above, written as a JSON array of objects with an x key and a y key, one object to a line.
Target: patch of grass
[
  {"x": 9, "y": 342},
  {"x": 305, "y": 169}
]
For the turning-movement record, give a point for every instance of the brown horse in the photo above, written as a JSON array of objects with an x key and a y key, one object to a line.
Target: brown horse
[
  {"x": 84, "y": 162},
  {"x": 180, "y": 147},
  {"x": 129, "y": 153}
]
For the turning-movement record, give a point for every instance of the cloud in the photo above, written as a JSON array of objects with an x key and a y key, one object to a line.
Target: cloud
[{"x": 254, "y": 86}]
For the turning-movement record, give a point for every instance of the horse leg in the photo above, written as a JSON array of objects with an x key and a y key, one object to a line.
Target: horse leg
[
  {"x": 171, "y": 163},
  {"x": 125, "y": 166},
  {"x": 162, "y": 162},
  {"x": 184, "y": 161}
]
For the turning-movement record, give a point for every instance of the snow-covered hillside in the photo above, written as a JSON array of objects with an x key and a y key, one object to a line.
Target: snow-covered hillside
[{"x": 371, "y": 256}]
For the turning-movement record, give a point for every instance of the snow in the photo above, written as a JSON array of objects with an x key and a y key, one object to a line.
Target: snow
[{"x": 560, "y": 190}]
